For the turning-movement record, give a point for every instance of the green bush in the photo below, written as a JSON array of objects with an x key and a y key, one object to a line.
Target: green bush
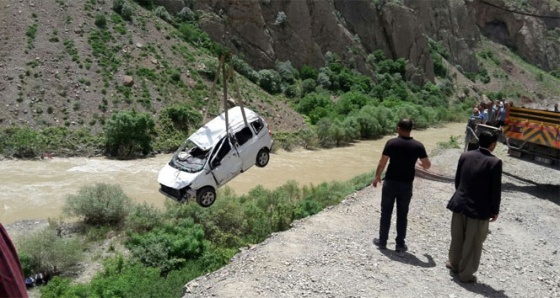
[
  {"x": 308, "y": 72},
  {"x": 101, "y": 21},
  {"x": 183, "y": 116},
  {"x": 308, "y": 86},
  {"x": 163, "y": 14},
  {"x": 124, "y": 9},
  {"x": 245, "y": 69},
  {"x": 291, "y": 91},
  {"x": 128, "y": 133},
  {"x": 44, "y": 251},
  {"x": 270, "y": 81},
  {"x": 324, "y": 79},
  {"x": 101, "y": 204},
  {"x": 21, "y": 142},
  {"x": 307, "y": 208},
  {"x": 143, "y": 218},
  {"x": 168, "y": 247},
  {"x": 287, "y": 72},
  {"x": 186, "y": 15}
]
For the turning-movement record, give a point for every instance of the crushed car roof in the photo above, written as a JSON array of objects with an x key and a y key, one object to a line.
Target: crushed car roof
[{"x": 213, "y": 131}]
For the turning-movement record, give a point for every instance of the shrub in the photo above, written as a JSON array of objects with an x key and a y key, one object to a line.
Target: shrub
[
  {"x": 291, "y": 91},
  {"x": 287, "y": 72},
  {"x": 186, "y": 15},
  {"x": 308, "y": 72},
  {"x": 308, "y": 86},
  {"x": 100, "y": 21},
  {"x": 101, "y": 204},
  {"x": 168, "y": 247},
  {"x": 324, "y": 80},
  {"x": 123, "y": 8},
  {"x": 182, "y": 116},
  {"x": 245, "y": 69},
  {"x": 126, "y": 133},
  {"x": 280, "y": 19},
  {"x": 44, "y": 251},
  {"x": 163, "y": 14},
  {"x": 21, "y": 142},
  {"x": 270, "y": 81},
  {"x": 143, "y": 218}
]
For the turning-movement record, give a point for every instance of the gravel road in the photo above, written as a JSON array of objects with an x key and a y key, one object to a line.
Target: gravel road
[{"x": 331, "y": 254}]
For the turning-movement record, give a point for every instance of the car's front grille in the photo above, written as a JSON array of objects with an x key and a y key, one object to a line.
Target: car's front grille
[{"x": 170, "y": 192}]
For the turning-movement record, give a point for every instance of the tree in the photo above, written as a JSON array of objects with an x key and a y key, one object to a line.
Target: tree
[{"x": 128, "y": 133}]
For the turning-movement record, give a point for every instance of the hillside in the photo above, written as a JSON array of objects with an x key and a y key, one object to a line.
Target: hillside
[
  {"x": 59, "y": 68},
  {"x": 74, "y": 64}
]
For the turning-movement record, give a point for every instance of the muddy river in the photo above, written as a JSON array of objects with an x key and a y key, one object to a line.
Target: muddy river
[{"x": 37, "y": 189}]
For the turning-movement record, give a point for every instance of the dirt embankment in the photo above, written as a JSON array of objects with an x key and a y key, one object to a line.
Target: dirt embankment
[{"x": 331, "y": 254}]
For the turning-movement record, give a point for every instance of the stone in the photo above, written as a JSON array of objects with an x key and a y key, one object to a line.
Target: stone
[{"x": 128, "y": 81}]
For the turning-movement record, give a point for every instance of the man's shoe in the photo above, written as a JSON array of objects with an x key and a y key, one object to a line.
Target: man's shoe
[
  {"x": 378, "y": 243},
  {"x": 401, "y": 248},
  {"x": 450, "y": 267}
]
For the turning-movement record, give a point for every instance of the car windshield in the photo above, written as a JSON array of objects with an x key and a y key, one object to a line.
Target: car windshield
[{"x": 189, "y": 158}]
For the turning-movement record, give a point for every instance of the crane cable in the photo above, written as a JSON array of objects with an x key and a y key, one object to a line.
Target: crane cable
[{"x": 519, "y": 12}]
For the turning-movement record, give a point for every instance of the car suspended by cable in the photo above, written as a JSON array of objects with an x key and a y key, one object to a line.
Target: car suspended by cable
[{"x": 215, "y": 154}]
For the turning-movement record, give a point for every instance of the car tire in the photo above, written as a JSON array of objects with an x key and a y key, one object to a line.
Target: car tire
[
  {"x": 206, "y": 196},
  {"x": 262, "y": 158}
]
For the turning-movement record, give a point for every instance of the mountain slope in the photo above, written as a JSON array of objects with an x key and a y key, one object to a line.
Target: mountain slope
[{"x": 65, "y": 63}]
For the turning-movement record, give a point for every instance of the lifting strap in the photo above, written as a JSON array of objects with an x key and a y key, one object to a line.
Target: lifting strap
[{"x": 225, "y": 78}]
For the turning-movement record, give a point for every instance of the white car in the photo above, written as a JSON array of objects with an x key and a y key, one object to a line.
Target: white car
[{"x": 210, "y": 157}]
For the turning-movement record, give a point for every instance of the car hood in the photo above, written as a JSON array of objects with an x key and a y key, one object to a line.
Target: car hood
[{"x": 176, "y": 179}]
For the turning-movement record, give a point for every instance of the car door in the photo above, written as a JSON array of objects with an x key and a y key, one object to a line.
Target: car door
[
  {"x": 225, "y": 162},
  {"x": 246, "y": 147}
]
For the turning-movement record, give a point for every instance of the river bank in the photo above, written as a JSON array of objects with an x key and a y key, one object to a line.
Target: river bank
[{"x": 331, "y": 254}]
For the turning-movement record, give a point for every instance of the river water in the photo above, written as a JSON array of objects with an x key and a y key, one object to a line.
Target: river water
[{"x": 38, "y": 189}]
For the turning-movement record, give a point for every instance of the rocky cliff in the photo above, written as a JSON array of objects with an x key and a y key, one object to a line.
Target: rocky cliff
[
  {"x": 303, "y": 31},
  {"x": 532, "y": 31}
]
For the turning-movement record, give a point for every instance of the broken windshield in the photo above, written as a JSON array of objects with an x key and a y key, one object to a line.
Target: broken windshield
[{"x": 189, "y": 158}]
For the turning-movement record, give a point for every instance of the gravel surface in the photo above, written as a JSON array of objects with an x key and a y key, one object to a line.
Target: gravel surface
[{"x": 331, "y": 254}]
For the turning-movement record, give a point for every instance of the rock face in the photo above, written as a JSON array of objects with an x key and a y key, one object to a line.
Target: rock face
[
  {"x": 534, "y": 34},
  {"x": 303, "y": 31}
]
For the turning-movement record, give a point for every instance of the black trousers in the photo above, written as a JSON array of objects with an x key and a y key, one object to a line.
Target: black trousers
[{"x": 401, "y": 193}]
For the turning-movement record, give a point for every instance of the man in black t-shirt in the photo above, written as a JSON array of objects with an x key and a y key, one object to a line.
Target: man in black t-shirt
[{"x": 403, "y": 152}]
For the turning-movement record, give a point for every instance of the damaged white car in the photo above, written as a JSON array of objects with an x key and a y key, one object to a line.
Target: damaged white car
[{"x": 212, "y": 156}]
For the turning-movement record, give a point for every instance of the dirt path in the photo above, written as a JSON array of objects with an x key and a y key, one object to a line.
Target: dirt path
[{"x": 331, "y": 254}]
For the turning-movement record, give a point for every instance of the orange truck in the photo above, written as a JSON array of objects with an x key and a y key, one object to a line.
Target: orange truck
[{"x": 534, "y": 134}]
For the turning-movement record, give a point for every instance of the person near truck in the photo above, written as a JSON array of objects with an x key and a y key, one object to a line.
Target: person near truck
[
  {"x": 402, "y": 153},
  {"x": 501, "y": 115},
  {"x": 475, "y": 203}
]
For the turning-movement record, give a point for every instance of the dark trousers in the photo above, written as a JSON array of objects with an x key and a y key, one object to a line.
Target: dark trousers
[{"x": 392, "y": 191}]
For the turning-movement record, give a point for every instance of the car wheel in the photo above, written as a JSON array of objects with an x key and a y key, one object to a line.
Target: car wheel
[
  {"x": 206, "y": 196},
  {"x": 262, "y": 158}
]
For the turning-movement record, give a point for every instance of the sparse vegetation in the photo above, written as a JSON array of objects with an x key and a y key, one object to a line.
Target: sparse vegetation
[
  {"x": 185, "y": 241},
  {"x": 45, "y": 251},
  {"x": 31, "y": 33}
]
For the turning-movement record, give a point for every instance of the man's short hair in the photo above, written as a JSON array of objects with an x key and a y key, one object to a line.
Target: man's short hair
[
  {"x": 486, "y": 138},
  {"x": 405, "y": 124}
]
